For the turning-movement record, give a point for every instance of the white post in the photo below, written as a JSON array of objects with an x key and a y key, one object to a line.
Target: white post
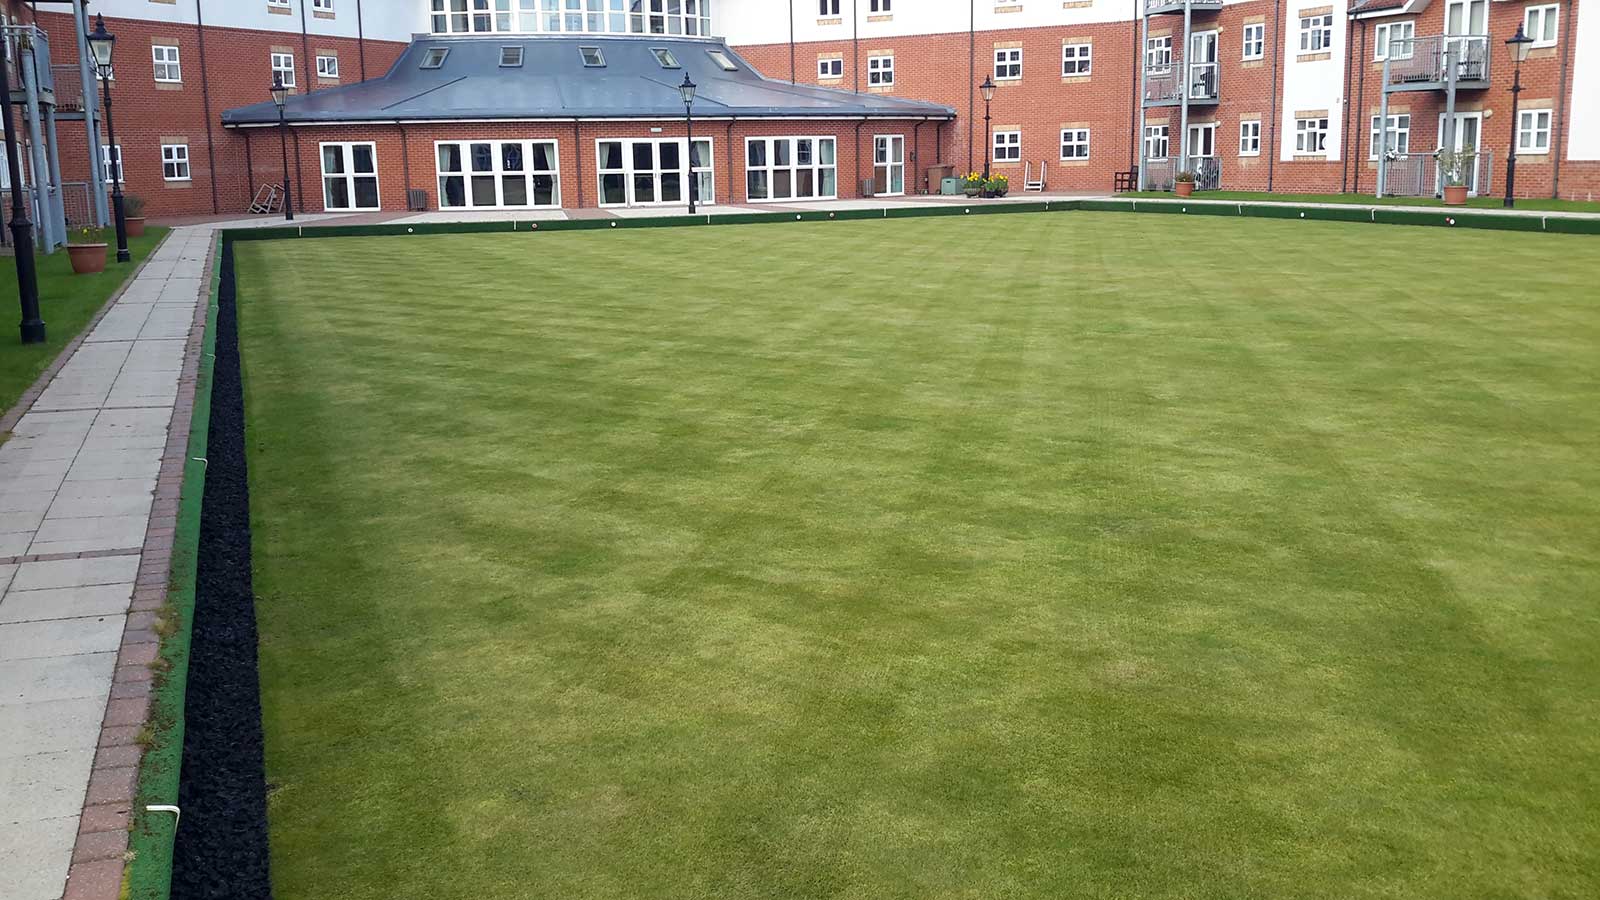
[{"x": 1383, "y": 128}]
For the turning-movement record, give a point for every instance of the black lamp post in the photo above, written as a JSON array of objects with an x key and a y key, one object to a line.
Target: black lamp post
[
  {"x": 280, "y": 96},
  {"x": 21, "y": 227},
  {"x": 101, "y": 43},
  {"x": 1519, "y": 44},
  {"x": 686, "y": 90},
  {"x": 987, "y": 89}
]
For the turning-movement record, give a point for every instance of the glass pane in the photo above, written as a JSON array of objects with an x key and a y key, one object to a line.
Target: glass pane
[
  {"x": 482, "y": 156},
  {"x": 671, "y": 187},
  {"x": 544, "y": 190},
  {"x": 706, "y": 191},
  {"x": 802, "y": 151},
  {"x": 804, "y": 185},
  {"x": 701, "y": 154},
  {"x": 449, "y": 157},
  {"x": 362, "y": 159},
  {"x": 755, "y": 187},
  {"x": 826, "y": 188},
  {"x": 332, "y": 159},
  {"x": 337, "y": 193},
  {"x": 483, "y": 190},
  {"x": 511, "y": 157},
  {"x": 543, "y": 160},
  {"x": 613, "y": 191},
  {"x": 452, "y": 192},
  {"x": 825, "y": 151},
  {"x": 644, "y": 188},
  {"x": 610, "y": 155},
  {"x": 367, "y": 193},
  {"x": 643, "y": 156},
  {"x": 669, "y": 157},
  {"x": 780, "y": 152},
  {"x": 514, "y": 190},
  {"x": 780, "y": 184},
  {"x": 756, "y": 153},
  {"x": 897, "y": 180}
]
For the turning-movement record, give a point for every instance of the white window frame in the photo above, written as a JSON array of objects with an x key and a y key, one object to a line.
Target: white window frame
[
  {"x": 1249, "y": 137},
  {"x": 1531, "y": 123},
  {"x": 1009, "y": 142},
  {"x": 771, "y": 167},
  {"x": 324, "y": 70},
  {"x": 1385, "y": 37},
  {"x": 498, "y": 173},
  {"x": 1253, "y": 43},
  {"x": 1008, "y": 64},
  {"x": 286, "y": 72},
  {"x": 1200, "y": 135},
  {"x": 176, "y": 156},
  {"x": 322, "y": 6},
  {"x": 282, "y": 4},
  {"x": 836, "y": 62},
  {"x": 880, "y": 6},
  {"x": 880, "y": 70},
  {"x": 827, "y": 9},
  {"x": 166, "y": 63},
  {"x": 1081, "y": 59},
  {"x": 1158, "y": 54},
  {"x": 1399, "y": 139},
  {"x": 1316, "y": 33},
  {"x": 706, "y": 196},
  {"x": 1073, "y": 139},
  {"x": 883, "y": 168},
  {"x": 350, "y": 175},
  {"x": 1311, "y": 136},
  {"x": 1158, "y": 137},
  {"x": 1549, "y": 17},
  {"x": 105, "y": 163}
]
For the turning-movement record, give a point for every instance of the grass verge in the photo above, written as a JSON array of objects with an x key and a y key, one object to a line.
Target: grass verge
[{"x": 1539, "y": 204}]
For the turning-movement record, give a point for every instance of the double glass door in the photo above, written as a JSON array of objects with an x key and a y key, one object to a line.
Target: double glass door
[
  {"x": 889, "y": 164},
  {"x": 654, "y": 171}
]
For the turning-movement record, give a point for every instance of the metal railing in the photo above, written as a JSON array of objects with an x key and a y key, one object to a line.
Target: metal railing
[
  {"x": 1160, "y": 174},
  {"x": 1426, "y": 60},
  {"x": 69, "y": 88},
  {"x": 1417, "y": 175},
  {"x": 1152, "y": 7},
  {"x": 1167, "y": 85}
]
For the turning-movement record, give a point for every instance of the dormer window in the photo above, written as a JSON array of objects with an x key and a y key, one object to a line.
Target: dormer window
[
  {"x": 510, "y": 57},
  {"x": 722, "y": 60},
  {"x": 592, "y": 57},
  {"x": 665, "y": 57},
  {"x": 434, "y": 57}
]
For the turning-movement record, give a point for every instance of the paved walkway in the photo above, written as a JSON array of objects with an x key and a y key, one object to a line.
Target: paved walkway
[{"x": 89, "y": 483}]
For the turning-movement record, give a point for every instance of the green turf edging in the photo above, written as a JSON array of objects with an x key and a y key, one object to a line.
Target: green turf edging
[{"x": 148, "y": 875}]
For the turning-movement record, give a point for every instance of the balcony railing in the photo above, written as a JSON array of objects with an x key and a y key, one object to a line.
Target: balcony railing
[
  {"x": 1158, "y": 7},
  {"x": 1167, "y": 86},
  {"x": 69, "y": 88},
  {"x": 1417, "y": 175},
  {"x": 1159, "y": 174},
  {"x": 1424, "y": 63}
]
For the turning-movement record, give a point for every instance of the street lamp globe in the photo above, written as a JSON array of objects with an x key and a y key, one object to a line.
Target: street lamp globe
[
  {"x": 1520, "y": 44},
  {"x": 280, "y": 94},
  {"x": 101, "y": 43},
  {"x": 686, "y": 90},
  {"x": 987, "y": 89}
]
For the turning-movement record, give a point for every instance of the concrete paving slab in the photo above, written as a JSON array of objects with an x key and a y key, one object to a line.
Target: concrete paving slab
[
  {"x": 51, "y": 726},
  {"x": 65, "y": 603},
  {"x": 44, "y": 785},
  {"x": 60, "y": 678},
  {"x": 59, "y": 573},
  {"x": 60, "y": 637},
  {"x": 82, "y": 535},
  {"x": 34, "y": 857}
]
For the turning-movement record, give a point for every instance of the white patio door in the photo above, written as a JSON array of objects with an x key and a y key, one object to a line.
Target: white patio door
[
  {"x": 653, "y": 171},
  {"x": 1466, "y": 22},
  {"x": 1203, "y": 64},
  {"x": 1464, "y": 138},
  {"x": 1203, "y": 140},
  {"x": 889, "y": 164}
]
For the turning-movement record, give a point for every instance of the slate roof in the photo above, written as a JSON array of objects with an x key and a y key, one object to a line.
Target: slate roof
[{"x": 554, "y": 83}]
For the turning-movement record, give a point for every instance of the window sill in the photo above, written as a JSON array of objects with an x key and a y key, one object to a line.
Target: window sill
[
  {"x": 177, "y": 185},
  {"x": 1075, "y": 79},
  {"x": 1313, "y": 57},
  {"x": 169, "y": 85},
  {"x": 1310, "y": 157},
  {"x": 1074, "y": 163}
]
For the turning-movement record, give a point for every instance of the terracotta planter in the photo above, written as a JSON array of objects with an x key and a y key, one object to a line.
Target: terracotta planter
[
  {"x": 87, "y": 259},
  {"x": 1183, "y": 188},
  {"x": 1455, "y": 195},
  {"x": 136, "y": 227}
]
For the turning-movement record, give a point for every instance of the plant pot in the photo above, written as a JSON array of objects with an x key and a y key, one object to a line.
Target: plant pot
[
  {"x": 987, "y": 194},
  {"x": 971, "y": 191},
  {"x": 1455, "y": 195},
  {"x": 1183, "y": 188},
  {"x": 87, "y": 259},
  {"x": 135, "y": 227}
]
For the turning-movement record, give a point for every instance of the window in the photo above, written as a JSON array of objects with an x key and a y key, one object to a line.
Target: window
[
  {"x": 283, "y": 67},
  {"x": 889, "y": 164},
  {"x": 798, "y": 168},
  {"x": 1076, "y": 59},
  {"x": 1156, "y": 144},
  {"x": 827, "y": 7},
  {"x": 1311, "y": 135},
  {"x": 112, "y": 155},
  {"x": 1316, "y": 33},
  {"x": 722, "y": 60},
  {"x": 327, "y": 66},
  {"x": 1398, "y": 139},
  {"x": 282, "y": 3},
  {"x": 1255, "y": 41},
  {"x": 1250, "y": 137},
  {"x": 880, "y": 6},
  {"x": 497, "y": 174},
  {"x": 674, "y": 17},
  {"x": 1007, "y": 146},
  {"x": 434, "y": 57},
  {"x": 166, "y": 62},
  {"x": 592, "y": 57},
  {"x": 1539, "y": 23},
  {"x": 510, "y": 57},
  {"x": 1008, "y": 64},
  {"x": 830, "y": 68},
  {"x": 349, "y": 176},
  {"x": 1393, "y": 40},
  {"x": 175, "y": 162},
  {"x": 649, "y": 171},
  {"x": 1533, "y": 131},
  {"x": 665, "y": 57},
  {"x": 880, "y": 71},
  {"x": 1074, "y": 143},
  {"x": 322, "y": 5},
  {"x": 1158, "y": 54},
  {"x": 1203, "y": 140}
]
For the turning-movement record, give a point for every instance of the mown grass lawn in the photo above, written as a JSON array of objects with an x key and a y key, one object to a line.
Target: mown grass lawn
[
  {"x": 1541, "y": 204},
  {"x": 1027, "y": 556},
  {"x": 66, "y": 304}
]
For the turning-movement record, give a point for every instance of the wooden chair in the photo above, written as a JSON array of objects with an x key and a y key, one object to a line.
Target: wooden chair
[{"x": 1125, "y": 181}]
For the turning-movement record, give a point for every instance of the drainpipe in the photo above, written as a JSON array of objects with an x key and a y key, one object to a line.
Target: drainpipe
[
  {"x": 1277, "y": 52},
  {"x": 405, "y": 160},
  {"x": 1344, "y": 167},
  {"x": 205, "y": 100},
  {"x": 972, "y": 75},
  {"x": 916, "y": 150},
  {"x": 1144, "y": 44},
  {"x": 361, "y": 41},
  {"x": 1561, "y": 103},
  {"x": 249, "y": 166},
  {"x": 299, "y": 181},
  {"x": 858, "y": 155},
  {"x": 1361, "y": 110},
  {"x": 577, "y": 153},
  {"x": 855, "y": 45},
  {"x": 1135, "y": 116},
  {"x": 91, "y": 116},
  {"x": 728, "y": 152},
  {"x": 792, "y": 73},
  {"x": 305, "y": 52}
]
